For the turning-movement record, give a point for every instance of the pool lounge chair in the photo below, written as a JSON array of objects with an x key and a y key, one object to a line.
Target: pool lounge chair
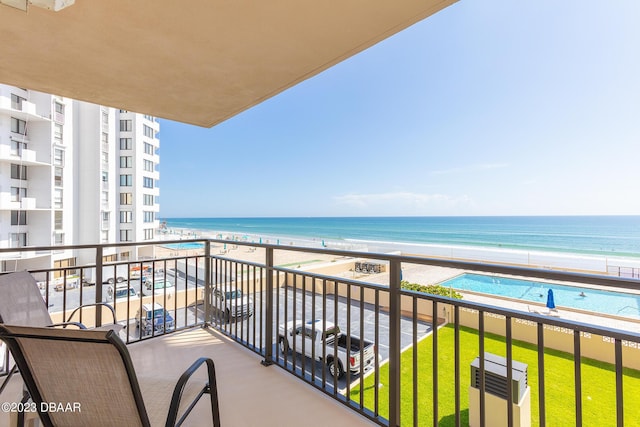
[
  {"x": 90, "y": 372},
  {"x": 546, "y": 311}
]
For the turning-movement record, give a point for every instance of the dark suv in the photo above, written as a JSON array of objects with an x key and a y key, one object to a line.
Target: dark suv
[{"x": 154, "y": 319}]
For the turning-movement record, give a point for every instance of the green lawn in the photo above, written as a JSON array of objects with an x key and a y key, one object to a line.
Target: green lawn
[{"x": 598, "y": 383}]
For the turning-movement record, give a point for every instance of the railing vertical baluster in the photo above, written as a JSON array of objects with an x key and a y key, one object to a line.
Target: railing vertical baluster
[
  {"x": 394, "y": 342},
  {"x": 361, "y": 397},
  {"x": 99, "y": 284},
  {"x": 509, "y": 372},
  {"x": 313, "y": 336},
  {"x": 268, "y": 357},
  {"x": 335, "y": 341},
  {"x": 294, "y": 356},
  {"x": 456, "y": 357},
  {"x": 348, "y": 358},
  {"x": 376, "y": 340},
  {"x": 414, "y": 376},
  {"x": 481, "y": 373},
  {"x": 304, "y": 325},
  {"x": 541, "y": 399},
  {"x": 434, "y": 354},
  {"x": 324, "y": 324},
  {"x": 619, "y": 390},
  {"x": 578, "y": 376}
]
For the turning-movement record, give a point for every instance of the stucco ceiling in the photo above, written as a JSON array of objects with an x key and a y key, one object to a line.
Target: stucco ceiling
[{"x": 197, "y": 62}]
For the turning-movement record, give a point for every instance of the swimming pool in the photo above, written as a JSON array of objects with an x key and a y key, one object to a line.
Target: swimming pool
[
  {"x": 185, "y": 245},
  {"x": 606, "y": 302}
]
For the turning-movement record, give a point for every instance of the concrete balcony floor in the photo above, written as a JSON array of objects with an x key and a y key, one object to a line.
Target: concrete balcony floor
[{"x": 250, "y": 394}]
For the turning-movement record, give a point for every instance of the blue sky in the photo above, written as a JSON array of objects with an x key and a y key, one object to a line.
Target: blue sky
[{"x": 492, "y": 107}]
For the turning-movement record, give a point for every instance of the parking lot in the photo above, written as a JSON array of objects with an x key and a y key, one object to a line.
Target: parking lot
[{"x": 336, "y": 312}]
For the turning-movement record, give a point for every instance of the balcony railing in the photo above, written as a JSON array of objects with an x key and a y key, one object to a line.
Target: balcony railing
[{"x": 417, "y": 348}]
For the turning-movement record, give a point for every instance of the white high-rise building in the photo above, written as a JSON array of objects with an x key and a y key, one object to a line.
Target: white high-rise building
[{"x": 72, "y": 172}]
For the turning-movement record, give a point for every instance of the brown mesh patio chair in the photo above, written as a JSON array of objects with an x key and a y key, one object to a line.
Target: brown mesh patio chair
[
  {"x": 91, "y": 373},
  {"x": 22, "y": 304}
]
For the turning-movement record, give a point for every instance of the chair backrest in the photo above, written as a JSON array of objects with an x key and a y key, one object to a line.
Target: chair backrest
[
  {"x": 21, "y": 302},
  {"x": 88, "y": 372}
]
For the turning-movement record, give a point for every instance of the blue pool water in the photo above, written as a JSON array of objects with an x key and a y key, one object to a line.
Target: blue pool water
[
  {"x": 185, "y": 245},
  {"x": 607, "y": 302}
]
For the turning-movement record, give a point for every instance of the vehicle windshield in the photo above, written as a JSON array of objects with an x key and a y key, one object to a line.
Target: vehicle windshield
[
  {"x": 159, "y": 312},
  {"x": 160, "y": 284},
  {"x": 233, "y": 294},
  {"x": 123, "y": 292}
]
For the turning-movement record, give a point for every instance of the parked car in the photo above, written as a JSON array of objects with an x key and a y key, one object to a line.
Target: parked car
[
  {"x": 154, "y": 317},
  {"x": 157, "y": 286},
  {"x": 69, "y": 284},
  {"x": 331, "y": 339},
  {"x": 231, "y": 303},
  {"x": 122, "y": 290}
]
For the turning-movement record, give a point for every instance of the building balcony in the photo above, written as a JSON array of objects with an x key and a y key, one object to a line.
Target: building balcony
[
  {"x": 429, "y": 359},
  {"x": 24, "y": 110}
]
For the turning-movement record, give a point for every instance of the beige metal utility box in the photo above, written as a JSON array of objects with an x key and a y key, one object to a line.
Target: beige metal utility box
[{"x": 495, "y": 380}]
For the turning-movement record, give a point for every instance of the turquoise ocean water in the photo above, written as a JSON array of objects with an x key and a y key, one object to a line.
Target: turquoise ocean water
[{"x": 586, "y": 235}]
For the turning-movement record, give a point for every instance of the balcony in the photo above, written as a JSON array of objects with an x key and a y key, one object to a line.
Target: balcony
[{"x": 582, "y": 367}]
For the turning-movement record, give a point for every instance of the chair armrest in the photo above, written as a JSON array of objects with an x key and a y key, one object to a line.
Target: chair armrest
[
  {"x": 210, "y": 388},
  {"x": 65, "y": 324},
  {"x": 95, "y": 304}
]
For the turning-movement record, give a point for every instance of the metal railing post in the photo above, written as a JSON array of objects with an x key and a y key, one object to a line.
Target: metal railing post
[
  {"x": 268, "y": 330},
  {"x": 208, "y": 318},
  {"x": 99, "y": 250},
  {"x": 394, "y": 343}
]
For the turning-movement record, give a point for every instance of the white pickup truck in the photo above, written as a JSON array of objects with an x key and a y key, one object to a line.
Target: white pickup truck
[{"x": 315, "y": 339}]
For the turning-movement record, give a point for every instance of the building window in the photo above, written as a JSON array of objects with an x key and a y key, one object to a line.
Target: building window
[
  {"x": 57, "y": 177},
  {"x": 105, "y": 138},
  {"x": 18, "y": 240},
  {"x": 18, "y": 218},
  {"x": 16, "y": 102},
  {"x": 58, "y": 157},
  {"x": 126, "y": 235},
  {"x": 126, "y": 198},
  {"x": 126, "y": 125},
  {"x": 126, "y": 144},
  {"x": 18, "y": 172},
  {"x": 104, "y": 236},
  {"x": 126, "y": 161},
  {"x": 148, "y": 234},
  {"x": 148, "y": 216},
  {"x": 105, "y": 176},
  {"x": 18, "y": 126},
  {"x": 148, "y": 132},
  {"x": 149, "y": 117},
  {"x": 18, "y": 193},
  {"x": 59, "y": 239},
  {"x": 126, "y": 217},
  {"x": 58, "y": 133},
  {"x": 147, "y": 182},
  {"x": 58, "y": 220},
  {"x": 148, "y": 165},
  {"x": 105, "y": 120},
  {"x": 126, "y": 180},
  {"x": 17, "y": 147},
  {"x": 148, "y": 200},
  {"x": 57, "y": 198},
  {"x": 105, "y": 197},
  {"x": 59, "y": 108},
  {"x": 148, "y": 148}
]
